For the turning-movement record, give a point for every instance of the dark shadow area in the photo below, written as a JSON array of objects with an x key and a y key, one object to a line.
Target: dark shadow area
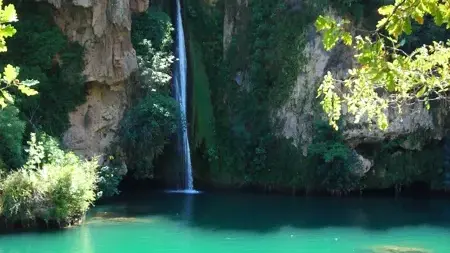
[{"x": 263, "y": 214}]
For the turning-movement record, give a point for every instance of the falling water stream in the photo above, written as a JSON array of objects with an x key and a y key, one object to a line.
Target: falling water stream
[{"x": 180, "y": 94}]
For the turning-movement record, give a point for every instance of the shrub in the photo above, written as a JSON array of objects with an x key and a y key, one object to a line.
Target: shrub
[
  {"x": 11, "y": 136},
  {"x": 333, "y": 161},
  {"x": 146, "y": 129},
  {"x": 154, "y": 66},
  {"x": 71, "y": 188},
  {"x": 43, "y": 149},
  {"x": 154, "y": 25},
  {"x": 108, "y": 181},
  {"x": 23, "y": 196},
  {"x": 53, "y": 186}
]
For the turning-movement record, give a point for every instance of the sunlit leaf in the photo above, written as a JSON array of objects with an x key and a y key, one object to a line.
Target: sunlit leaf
[
  {"x": 2, "y": 103},
  {"x": 347, "y": 38},
  {"x": 7, "y": 97},
  {"x": 8, "y": 14},
  {"x": 407, "y": 27},
  {"x": 386, "y": 10},
  {"x": 10, "y": 74},
  {"x": 26, "y": 90}
]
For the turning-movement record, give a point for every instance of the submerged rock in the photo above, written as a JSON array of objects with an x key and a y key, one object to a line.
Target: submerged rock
[
  {"x": 111, "y": 217},
  {"x": 398, "y": 249},
  {"x": 118, "y": 220}
]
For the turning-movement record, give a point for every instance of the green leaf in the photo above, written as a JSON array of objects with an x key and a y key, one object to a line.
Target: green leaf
[
  {"x": 30, "y": 82},
  {"x": 7, "y": 96},
  {"x": 7, "y": 31},
  {"x": 26, "y": 90},
  {"x": 330, "y": 38},
  {"x": 407, "y": 27},
  {"x": 10, "y": 74},
  {"x": 8, "y": 14},
  {"x": 386, "y": 10},
  {"x": 381, "y": 22},
  {"x": 322, "y": 23},
  {"x": 347, "y": 38},
  {"x": 421, "y": 91},
  {"x": 2, "y": 103}
]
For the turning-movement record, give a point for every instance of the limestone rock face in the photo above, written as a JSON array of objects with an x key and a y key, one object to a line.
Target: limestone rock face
[
  {"x": 103, "y": 28},
  {"x": 95, "y": 123},
  {"x": 302, "y": 108},
  {"x": 233, "y": 19}
]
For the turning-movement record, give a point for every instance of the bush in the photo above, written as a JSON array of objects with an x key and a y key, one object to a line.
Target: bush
[
  {"x": 334, "y": 162},
  {"x": 146, "y": 129},
  {"x": 153, "y": 25},
  {"x": 22, "y": 196},
  {"x": 71, "y": 187},
  {"x": 11, "y": 137},
  {"x": 108, "y": 181},
  {"x": 52, "y": 187},
  {"x": 155, "y": 68}
]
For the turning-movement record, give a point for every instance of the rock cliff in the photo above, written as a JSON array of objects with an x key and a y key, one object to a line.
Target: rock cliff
[
  {"x": 302, "y": 108},
  {"x": 103, "y": 28}
]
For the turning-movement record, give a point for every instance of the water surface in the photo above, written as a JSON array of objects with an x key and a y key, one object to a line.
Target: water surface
[{"x": 212, "y": 223}]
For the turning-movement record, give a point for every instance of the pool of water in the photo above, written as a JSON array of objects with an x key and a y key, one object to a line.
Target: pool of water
[{"x": 212, "y": 223}]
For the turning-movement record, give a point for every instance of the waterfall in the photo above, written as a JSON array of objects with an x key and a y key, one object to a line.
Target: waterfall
[{"x": 180, "y": 94}]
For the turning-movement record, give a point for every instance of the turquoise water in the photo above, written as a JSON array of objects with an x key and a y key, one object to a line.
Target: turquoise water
[{"x": 211, "y": 223}]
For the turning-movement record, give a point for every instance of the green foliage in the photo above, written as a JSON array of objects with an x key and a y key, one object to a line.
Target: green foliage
[
  {"x": 43, "y": 149},
  {"x": 423, "y": 34},
  {"x": 12, "y": 129},
  {"x": 145, "y": 130},
  {"x": 9, "y": 76},
  {"x": 148, "y": 125},
  {"x": 7, "y": 15},
  {"x": 386, "y": 76},
  {"x": 202, "y": 122},
  {"x": 395, "y": 166},
  {"x": 108, "y": 181},
  {"x": 42, "y": 52},
  {"x": 332, "y": 33},
  {"x": 151, "y": 35},
  {"x": 205, "y": 54},
  {"x": 54, "y": 186},
  {"x": 335, "y": 164},
  {"x": 154, "y": 67},
  {"x": 347, "y": 3},
  {"x": 20, "y": 192},
  {"x": 269, "y": 43},
  {"x": 266, "y": 56},
  {"x": 153, "y": 25}
]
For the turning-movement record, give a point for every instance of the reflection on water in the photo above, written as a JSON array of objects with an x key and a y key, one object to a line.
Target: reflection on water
[
  {"x": 244, "y": 223},
  {"x": 212, "y": 211}
]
